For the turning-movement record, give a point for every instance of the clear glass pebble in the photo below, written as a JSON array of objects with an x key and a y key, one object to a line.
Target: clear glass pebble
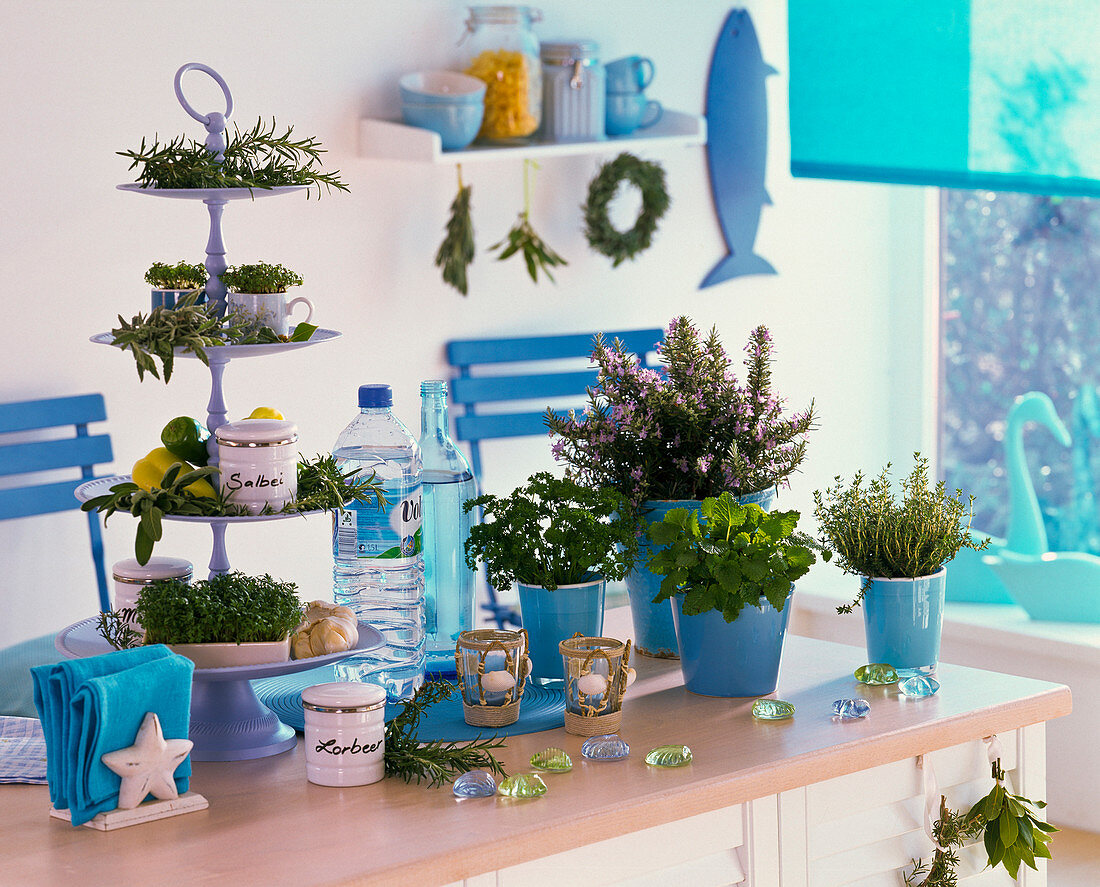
[
  {"x": 522, "y": 785},
  {"x": 609, "y": 747},
  {"x": 851, "y": 709},
  {"x": 553, "y": 759},
  {"x": 919, "y": 686},
  {"x": 475, "y": 784},
  {"x": 669, "y": 756},
  {"x": 877, "y": 674},
  {"x": 772, "y": 710}
]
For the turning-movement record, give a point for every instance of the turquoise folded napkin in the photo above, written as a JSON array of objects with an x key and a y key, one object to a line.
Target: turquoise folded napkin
[
  {"x": 74, "y": 733},
  {"x": 109, "y": 710}
]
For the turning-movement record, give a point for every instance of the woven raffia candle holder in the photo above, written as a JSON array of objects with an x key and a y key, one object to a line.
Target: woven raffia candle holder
[
  {"x": 597, "y": 673},
  {"x": 492, "y": 667}
]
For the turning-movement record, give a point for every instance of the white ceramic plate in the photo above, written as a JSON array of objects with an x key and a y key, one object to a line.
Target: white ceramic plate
[
  {"x": 101, "y": 486},
  {"x": 236, "y": 351},
  {"x": 211, "y": 193}
]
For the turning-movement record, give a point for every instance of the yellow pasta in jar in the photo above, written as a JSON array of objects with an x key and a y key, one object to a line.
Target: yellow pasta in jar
[{"x": 511, "y": 93}]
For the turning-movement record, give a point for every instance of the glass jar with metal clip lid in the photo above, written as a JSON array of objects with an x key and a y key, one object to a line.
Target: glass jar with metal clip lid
[
  {"x": 501, "y": 49},
  {"x": 574, "y": 91}
]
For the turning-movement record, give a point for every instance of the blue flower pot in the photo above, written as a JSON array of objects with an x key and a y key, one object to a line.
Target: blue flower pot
[
  {"x": 654, "y": 632},
  {"x": 552, "y": 616},
  {"x": 739, "y": 658},
  {"x": 903, "y": 619}
]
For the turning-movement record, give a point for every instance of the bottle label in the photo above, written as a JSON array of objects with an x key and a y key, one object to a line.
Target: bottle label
[{"x": 362, "y": 530}]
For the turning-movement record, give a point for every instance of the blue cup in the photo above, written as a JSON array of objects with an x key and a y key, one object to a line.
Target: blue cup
[
  {"x": 626, "y": 112},
  {"x": 632, "y": 73},
  {"x": 169, "y": 298}
]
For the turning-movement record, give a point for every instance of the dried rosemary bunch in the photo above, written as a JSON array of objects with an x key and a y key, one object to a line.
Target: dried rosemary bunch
[
  {"x": 874, "y": 535},
  {"x": 456, "y": 252}
]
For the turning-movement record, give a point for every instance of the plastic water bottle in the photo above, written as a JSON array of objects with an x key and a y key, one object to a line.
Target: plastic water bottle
[
  {"x": 448, "y": 482},
  {"x": 378, "y": 566}
]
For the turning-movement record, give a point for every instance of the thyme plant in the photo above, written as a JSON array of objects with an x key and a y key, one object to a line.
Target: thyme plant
[
  {"x": 688, "y": 431},
  {"x": 872, "y": 534}
]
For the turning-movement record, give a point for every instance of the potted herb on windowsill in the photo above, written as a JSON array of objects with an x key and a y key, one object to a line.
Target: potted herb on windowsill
[
  {"x": 171, "y": 282},
  {"x": 730, "y": 570},
  {"x": 899, "y": 550},
  {"x": 670, "y": 439},
  {"x": 559, "y": 542},
  {"x": 228, "y": 620}
]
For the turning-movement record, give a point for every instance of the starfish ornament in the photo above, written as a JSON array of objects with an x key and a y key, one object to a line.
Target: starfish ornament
[{"x": 146, "y": 767}]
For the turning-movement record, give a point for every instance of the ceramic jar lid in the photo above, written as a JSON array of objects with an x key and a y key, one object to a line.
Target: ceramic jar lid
[
  {"x": 129, "y": 570},
  {"x": 257, "y": 433},
  {"x": 344, "y": 696}
]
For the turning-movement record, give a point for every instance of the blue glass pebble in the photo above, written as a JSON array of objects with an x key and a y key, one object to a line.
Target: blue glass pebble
[
  {"x": 919, "y": 686},
  {"x": 475, "y": 784},
  {"x": 851, "y": 709},
  {"x": 609, "y": 747}
]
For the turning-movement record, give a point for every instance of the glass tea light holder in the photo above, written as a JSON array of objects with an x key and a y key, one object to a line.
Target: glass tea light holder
[
  {"x": 492, "y": 667},
  {"x": 597, "y": 673}
]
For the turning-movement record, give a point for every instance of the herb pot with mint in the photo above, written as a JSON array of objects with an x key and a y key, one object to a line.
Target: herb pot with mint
[
  {"x": 668, "y": 440},
  {"x": 558, "y": 542},
  {"x": 729, "y": 569},
  {"x": 899, "y": 550}
]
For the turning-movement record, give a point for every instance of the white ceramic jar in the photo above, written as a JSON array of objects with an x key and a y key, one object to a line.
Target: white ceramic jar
[
  {"x": 574, "y": 91},
  {"x": 130, "y": 578},
  {"x": 345, "y": 733},
  {"x": 258, "y": 462}
]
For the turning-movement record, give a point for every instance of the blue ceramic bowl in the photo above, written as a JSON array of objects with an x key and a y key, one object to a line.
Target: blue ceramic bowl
[
  {"x": 457, "y": 124},
  {"x": 442, "y": 88}
]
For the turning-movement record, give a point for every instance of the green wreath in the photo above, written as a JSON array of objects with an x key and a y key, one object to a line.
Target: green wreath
[{"x": 603, "y": 237}]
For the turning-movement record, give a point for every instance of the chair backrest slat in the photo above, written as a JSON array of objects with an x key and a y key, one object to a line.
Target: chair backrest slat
[
  {"x": 45, "y": 455},
  {"x": 39, "y": 499},
  {"x": 488, "y": 427},
  {"x": 30, "y": 414},
  {"x": 488, "y": 389},
  {"x": 468, "y": 352}
]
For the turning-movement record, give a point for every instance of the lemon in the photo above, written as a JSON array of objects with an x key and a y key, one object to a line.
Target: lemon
[{"x": 265, "y": 413}]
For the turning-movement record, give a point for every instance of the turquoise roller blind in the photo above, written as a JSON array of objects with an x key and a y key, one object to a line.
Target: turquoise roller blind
[{"x": 996, "y": 94}]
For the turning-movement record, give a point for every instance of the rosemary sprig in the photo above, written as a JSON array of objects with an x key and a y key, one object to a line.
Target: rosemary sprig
[
  {"x": 412, "y": 760},
  {"x": 117, "y": 628},
  {"x": 952, "y": 829},
  {"x": 322, "y": 486},
  {"x": 522, "y": 238},
  {"x": 456, "y": 252},
  {"x": 260, "y": 157}
]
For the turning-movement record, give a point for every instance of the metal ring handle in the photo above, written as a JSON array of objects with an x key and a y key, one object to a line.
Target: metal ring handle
[{"x": 204, "y": 119}]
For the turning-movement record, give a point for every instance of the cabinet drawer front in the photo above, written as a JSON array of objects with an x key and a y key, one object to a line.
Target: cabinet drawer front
[{"x": 700, "y": 850}]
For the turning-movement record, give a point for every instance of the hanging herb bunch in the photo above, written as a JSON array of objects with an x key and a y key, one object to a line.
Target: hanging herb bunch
[
  {"x": 456, "y": 252},
  {"x": 605, "y": 238},
  {"x": 522, "y": 237}
]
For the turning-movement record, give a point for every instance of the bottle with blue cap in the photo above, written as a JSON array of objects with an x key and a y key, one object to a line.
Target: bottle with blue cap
[{"x": 377, "y": 552}]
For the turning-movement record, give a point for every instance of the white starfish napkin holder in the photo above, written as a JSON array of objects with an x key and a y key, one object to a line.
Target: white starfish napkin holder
[{"x": 146, "y": 768}]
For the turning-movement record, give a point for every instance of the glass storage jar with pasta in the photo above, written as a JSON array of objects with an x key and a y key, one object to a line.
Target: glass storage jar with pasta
[{"x": 502, "y": 50}]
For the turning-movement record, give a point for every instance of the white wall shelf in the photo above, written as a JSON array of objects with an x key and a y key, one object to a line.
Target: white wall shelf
[{"x": 390, "y": 140}]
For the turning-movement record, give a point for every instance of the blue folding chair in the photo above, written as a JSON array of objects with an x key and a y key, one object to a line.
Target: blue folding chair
[
  {"x": 473, "y": 388},
  {"x": 81, "y": 451}
]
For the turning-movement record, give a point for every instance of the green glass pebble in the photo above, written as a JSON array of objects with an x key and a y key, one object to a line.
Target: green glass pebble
[
  {"x": 877, "y": 674},
  {"x": 669, "y": 756},
  {"x": 522, "y": 785},
  {"x": 553, "y": 759},
  {"x": 772, "y": 710}
]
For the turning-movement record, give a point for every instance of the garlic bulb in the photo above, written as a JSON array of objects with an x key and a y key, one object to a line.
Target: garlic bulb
[{"x": 327, "y": 628}]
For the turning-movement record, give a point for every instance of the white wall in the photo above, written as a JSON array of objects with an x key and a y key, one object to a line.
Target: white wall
[{"x": 79, "y": 81}]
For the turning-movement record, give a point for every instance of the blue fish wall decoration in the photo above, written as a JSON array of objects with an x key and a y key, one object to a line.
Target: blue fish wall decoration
[{"x": 737, "y": 142}]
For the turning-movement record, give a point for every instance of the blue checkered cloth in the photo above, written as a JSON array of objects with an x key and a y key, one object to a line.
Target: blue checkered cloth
[{"x": 22, "y": 751}]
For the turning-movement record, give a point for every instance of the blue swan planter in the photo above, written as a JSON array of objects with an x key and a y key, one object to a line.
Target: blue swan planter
[{"x": 972, "y": 576}]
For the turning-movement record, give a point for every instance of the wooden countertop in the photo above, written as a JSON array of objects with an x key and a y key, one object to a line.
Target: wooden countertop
[{"x": 268, "y": 825}]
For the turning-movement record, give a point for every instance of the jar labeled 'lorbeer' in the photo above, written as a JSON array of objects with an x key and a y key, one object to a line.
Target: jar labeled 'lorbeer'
[
  {"x": 502, "y": 50},
  {"x": 345, "y": 733}
]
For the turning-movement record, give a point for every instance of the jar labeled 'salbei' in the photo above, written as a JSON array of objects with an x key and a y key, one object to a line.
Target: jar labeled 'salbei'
[
  {"x": 258, "y": 463},
  {"x": 345, "y": 733},
  {"x": 503, "y": 51}
]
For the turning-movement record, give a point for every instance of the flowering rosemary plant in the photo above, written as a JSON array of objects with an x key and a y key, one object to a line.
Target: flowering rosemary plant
[{"x": 688, "y": 431}]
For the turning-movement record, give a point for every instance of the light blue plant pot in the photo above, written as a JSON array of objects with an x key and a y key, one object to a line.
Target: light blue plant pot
[
  {"x": 739, "y": 658},
  {"x": 903, "y": 619},
  {"x": 552, "y": 616},
  {"x": 654, "y": 631}
]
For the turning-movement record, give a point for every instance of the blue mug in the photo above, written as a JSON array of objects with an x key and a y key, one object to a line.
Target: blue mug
[
  {"x": 628, "y": 111},
  {"x": 630, "y": 74}
]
